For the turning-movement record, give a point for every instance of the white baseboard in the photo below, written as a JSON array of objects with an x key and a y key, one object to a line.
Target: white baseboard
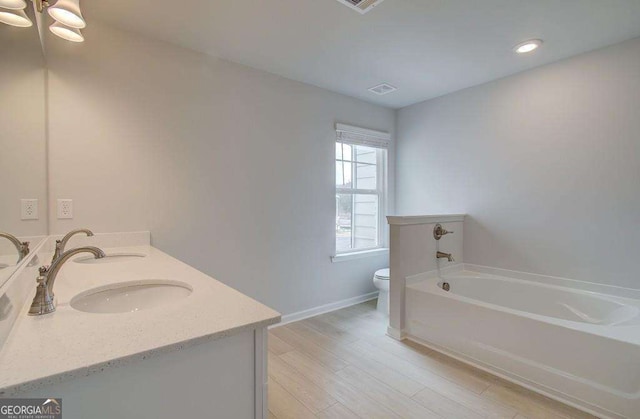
[{"x": 315, "y": 311}]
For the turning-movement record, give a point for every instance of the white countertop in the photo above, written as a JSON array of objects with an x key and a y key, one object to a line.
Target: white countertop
[
  {"x": 7, "y": 266},
  {"x": 8, "y": 261},
  {"x": 66, "y": 344}
]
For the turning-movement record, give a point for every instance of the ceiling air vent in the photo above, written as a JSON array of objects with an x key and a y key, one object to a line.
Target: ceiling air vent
[
  {"x": 382, "y": 89},
  {"x": 362, "y": 6}
]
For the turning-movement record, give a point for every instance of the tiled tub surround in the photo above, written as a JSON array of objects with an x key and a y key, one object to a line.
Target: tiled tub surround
[{"x": 59, "y": 353}]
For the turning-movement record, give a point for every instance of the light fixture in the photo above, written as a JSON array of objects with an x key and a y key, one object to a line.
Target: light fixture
[
  {"x": 527, "y": 46},
  {"x": 67, "y": 33},
  {"x": 15, "y": 18},
  {"x": 68, "y": 13},
  {"x": 13, "y": 4}
]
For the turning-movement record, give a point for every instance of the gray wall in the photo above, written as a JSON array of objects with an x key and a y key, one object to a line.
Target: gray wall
[
  {"x": 546, "y": 163},
  {"x": 23, "y": 149},
  {"x": 231, "y": 168}
]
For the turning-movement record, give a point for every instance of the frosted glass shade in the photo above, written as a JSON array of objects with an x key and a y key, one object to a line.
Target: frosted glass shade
[
  {"x": 15, "y": 18},
  {"x": 13, "y": 4},
  {"x": 67, "y": 33},
  {"x": 68, "y": 13}
]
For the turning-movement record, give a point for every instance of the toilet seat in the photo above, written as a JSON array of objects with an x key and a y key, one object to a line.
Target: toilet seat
[
  {"x": 382, "y": 274},
  {"x": 381, "y": 282}
]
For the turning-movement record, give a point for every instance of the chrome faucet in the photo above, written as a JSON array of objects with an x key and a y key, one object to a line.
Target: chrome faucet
[
  {"x": 23, "y": 247},
  {"x": 61, "y": 244},
  {"x": 442, "y": 255},
  {"x": 43, "y": 301}
]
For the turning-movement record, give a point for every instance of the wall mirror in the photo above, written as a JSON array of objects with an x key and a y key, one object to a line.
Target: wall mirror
[{"x": 23, "y": 145}]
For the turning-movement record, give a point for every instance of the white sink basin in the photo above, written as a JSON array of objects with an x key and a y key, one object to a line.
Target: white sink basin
[
  {"x": 133, "y": 296},
  {"x": 116, "y": 257}
]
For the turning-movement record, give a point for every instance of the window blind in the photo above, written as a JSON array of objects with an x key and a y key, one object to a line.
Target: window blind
[{"x": 362, "y": 136}]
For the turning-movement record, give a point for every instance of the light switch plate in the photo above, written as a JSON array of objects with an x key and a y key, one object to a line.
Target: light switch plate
[
  {"x": 65, "y": 209},
  {"x": 29, "y": 209}
]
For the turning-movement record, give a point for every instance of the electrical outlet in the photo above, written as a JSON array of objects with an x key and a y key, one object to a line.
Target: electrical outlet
[
  {"x": 65, "y": 209},
  {"x": 29, "y": 209}
]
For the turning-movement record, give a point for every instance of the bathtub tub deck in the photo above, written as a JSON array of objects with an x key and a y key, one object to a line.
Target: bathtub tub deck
[{"x": 572, "y": 344}]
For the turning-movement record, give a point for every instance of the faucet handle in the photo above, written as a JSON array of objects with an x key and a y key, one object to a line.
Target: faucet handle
[
  {"x": 439, "y": 231},
  {"x": 24, "y": 250},
  {"x": 43, "y": 302}
]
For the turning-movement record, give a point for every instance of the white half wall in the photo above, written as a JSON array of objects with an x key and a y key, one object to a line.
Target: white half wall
[
  {"x": 545, "y": 163},
  {"x": 230, "y": 168},
  {"x": 413, "y": 251}
]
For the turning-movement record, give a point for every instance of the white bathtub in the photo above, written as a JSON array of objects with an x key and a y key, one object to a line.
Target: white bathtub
[{"x": 577, "y": 346}]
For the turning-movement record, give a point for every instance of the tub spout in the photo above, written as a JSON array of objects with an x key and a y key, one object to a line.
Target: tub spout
[{"x": 442, "y": 255}]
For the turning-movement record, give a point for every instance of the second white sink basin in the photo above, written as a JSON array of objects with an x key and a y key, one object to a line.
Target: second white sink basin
[{"x": 131, "y": 296}]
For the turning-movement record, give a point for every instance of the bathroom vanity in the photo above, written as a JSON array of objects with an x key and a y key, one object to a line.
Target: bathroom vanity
[
  {"x": 135, "y": 334},
  {"x": 140, "y": 334}
]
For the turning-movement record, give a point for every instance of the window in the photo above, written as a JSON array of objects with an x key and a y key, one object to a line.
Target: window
[{"x": 360, "y": 189}]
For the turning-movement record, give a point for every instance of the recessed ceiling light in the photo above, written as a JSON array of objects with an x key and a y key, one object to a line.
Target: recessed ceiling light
[
  {"x": 527, "y": 46},
  {"x": 382, "y": 89}
]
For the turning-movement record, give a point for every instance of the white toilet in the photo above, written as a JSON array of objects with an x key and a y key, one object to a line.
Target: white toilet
[{"x": 381, "y": 281}]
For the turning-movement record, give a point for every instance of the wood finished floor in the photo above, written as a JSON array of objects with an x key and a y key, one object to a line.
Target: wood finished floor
[{"x": 342, "y": 365}]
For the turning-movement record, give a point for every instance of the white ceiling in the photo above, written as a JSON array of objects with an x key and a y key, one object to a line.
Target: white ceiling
[{"x": 426, "y": 48}]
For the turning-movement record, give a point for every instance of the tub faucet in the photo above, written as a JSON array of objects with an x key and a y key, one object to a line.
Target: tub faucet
[
  {"x": 43, "y": 301},
  {"x": 23, "y": 247},
  {"x": 442, "y": 255},
  {"x": 61, "y": 244}
]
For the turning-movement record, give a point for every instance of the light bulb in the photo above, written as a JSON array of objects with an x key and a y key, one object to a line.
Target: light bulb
[
  {"x": 527, "y": 46},
  {"x": 68, "y": 13},
  {"x": 67, "y": 33},
  {"x": 13, "y": 4},
  {"x": 15, "y": 18}
]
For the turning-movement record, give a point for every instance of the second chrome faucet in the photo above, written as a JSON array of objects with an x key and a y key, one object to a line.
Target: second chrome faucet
[
  {"x": 21, "y": 247},
  {"x": 61, "y": 244}
]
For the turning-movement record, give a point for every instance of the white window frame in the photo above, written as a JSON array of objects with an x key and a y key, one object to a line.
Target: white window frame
[{"x": 351, "y": 135}]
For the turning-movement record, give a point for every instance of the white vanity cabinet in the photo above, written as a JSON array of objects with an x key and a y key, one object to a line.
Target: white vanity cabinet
[
  {"x": 223, "y": 378},
  {"x": 201, "y": 355}
]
